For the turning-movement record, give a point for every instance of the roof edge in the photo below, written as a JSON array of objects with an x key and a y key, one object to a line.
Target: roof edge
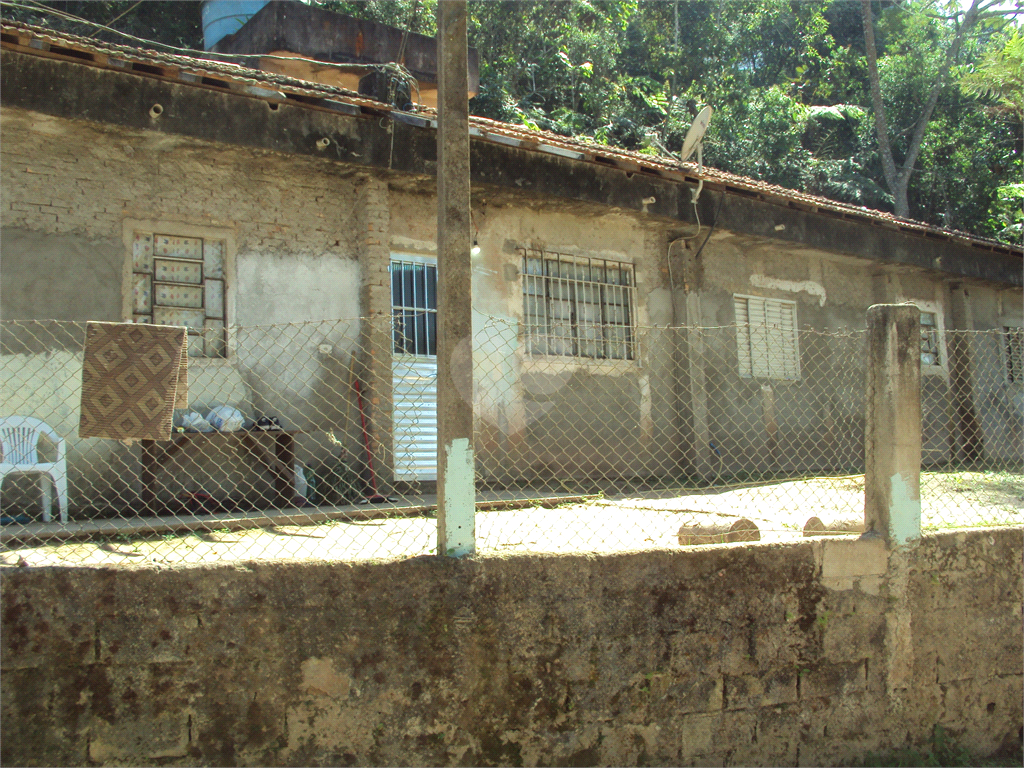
[{"x": 244, "y": 81}]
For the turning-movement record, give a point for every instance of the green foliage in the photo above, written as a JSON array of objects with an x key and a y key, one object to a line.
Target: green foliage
[
  {"x": 788, "y": 83},
  {"x": 1008, "y": 212},
  {"x": 832, "y": 132},
  {"x": 415, "y": 15},
  {"x": 1000, "y": 74},
  {"x": 173, "y": 22}
]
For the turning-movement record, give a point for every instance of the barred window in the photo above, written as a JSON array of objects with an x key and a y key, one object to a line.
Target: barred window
[
  {"x": 578, "y": 307},
  {"x": 1014, "y": 347},
  {"x": 766, "y": 338},
  {"x": 180, "y": 281},
  {"x": 414, "y": 306}
]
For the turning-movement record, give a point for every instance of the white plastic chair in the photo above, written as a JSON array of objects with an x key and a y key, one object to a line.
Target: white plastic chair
[{"x": 19, "y": 455}]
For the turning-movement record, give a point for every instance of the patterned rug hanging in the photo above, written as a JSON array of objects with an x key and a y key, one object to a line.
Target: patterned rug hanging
[{"x": 133, "y": 377}]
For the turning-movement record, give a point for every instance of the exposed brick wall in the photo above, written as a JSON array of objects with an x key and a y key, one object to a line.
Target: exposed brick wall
[
  {"x": 373, "y": 217},
  {"x": 63, "y": 176},
  {"x": 765, "y": 654},
  {"x": 78, "y": 178}
]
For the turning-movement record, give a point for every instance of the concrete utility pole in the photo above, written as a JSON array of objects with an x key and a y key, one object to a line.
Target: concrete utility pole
[
  {"x": 456, "y": 496},
  {"x": 892, "y": 429}
]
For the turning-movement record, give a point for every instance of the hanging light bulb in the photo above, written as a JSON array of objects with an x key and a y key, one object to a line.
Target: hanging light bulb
[{"x": 475, "y": 250}]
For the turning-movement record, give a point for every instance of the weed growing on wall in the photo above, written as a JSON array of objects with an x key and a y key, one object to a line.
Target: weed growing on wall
[{"x": 942, "y": 751}]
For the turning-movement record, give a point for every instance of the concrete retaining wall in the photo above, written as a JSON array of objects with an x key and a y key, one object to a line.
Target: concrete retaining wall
[{"x": 811, "y": 653}]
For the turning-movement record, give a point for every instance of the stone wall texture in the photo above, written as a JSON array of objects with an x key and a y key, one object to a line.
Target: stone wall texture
[{"x": 804, "y": 654}]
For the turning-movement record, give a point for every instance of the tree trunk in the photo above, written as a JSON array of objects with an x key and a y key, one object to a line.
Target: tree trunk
[
  {"x": 898, "y": 179},
  {"x": 894, "y": 180}
]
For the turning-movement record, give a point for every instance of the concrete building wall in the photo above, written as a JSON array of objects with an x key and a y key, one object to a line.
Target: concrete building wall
[
  {"x": 72, "y": 190},
  {"x": 77, "y": 182},
  {"x": 311, "y": 241},
  {"x": 997, "y": 403},
  {"x": 832, "y": 293},
  {"x": 811, "y": 422},
  {"x": 571, "y": 416},
  {"x": 813, "y": 653}
]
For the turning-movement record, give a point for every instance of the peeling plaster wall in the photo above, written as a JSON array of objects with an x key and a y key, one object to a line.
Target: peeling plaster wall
[
  {"x": 832, "y": 292},
  {"x": 525, "y": 406},
  {"x": 823, "y": 406},
  {"x": 803, "y": 654}
]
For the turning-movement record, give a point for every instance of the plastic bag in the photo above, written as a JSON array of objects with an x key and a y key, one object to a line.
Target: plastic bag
[
  {"x": 193, "y": 422},
  {"x": 225, "y": 418},
  {"x": 301, "y": 484}
]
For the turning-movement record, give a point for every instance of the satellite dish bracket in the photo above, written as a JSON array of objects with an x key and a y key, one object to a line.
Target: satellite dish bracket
[{"x": 700, "y": 169}]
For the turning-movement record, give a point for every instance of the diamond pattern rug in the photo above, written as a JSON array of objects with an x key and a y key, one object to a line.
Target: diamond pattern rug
[{"x": 133, "y": 377}]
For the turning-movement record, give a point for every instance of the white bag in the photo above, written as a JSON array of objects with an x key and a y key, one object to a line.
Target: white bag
[
  {"x": 225, "y": 418},
  {"x": 193, "y": 422},
  {"x": 301, "y": 484}
]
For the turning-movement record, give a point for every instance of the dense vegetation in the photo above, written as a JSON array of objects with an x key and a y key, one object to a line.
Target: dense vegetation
[{"x": 790, "y": 82}]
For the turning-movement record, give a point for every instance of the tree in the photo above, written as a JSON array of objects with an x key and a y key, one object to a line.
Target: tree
[
  {"x": 897, "y": 178},
  {"x": 175, "y": 23}
]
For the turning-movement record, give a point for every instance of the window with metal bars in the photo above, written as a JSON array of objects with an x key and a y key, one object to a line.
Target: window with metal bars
[
  {"x": 766, "y": 338},
  {"x": 577, "y": 307},
  {"x": 414, "y": 307}
]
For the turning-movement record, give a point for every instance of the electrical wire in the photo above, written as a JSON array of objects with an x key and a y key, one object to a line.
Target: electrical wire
[
  {"x": 718, "y": 212},
  {"x": 120, "y": 15},
  {"x": 668, "y": 253}
]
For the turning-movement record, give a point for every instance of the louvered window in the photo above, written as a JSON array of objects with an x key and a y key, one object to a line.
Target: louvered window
[
  {"x": 180, "y": 281},
  {"x": 766, "y": 338},
  {"x": 931, "y": 340}
]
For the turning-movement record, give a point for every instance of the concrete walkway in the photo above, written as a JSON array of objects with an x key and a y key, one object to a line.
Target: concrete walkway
[{"x": 506, "y": 522}]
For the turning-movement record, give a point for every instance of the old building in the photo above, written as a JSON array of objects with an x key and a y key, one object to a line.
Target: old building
[{"x": 147, "y": 187}]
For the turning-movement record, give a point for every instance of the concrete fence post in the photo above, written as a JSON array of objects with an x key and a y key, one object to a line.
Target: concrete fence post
[
  {"x": 892, "y": 429},
  {"x": 456, "y": 497}
]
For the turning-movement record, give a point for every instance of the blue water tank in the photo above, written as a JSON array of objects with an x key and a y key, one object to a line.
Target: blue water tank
[{"x": 225, "y": 17}]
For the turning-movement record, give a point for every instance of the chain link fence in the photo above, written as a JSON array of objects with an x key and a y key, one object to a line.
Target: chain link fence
[
  {"x": 667, "y": 436},
  {"x": 972, "y": 414},
  {"x": 670, "y": 440}
]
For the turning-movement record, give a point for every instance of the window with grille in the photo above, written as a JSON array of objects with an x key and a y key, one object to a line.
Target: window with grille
[
  {"x": 578, "y": 307},
  {"x": 931, "y": 340},
  {"x": 1013, "y": 341},
  {"x": 766, "y": 338},
  {"x": 180, "y": 281},
  {"x": 414, "y": 307}
]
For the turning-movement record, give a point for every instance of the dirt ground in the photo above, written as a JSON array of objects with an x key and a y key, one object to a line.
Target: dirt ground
[{"x": 779, "y": 510}]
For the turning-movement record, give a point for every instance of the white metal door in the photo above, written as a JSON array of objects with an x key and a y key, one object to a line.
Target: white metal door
[{"x": 414, "y": 366}]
